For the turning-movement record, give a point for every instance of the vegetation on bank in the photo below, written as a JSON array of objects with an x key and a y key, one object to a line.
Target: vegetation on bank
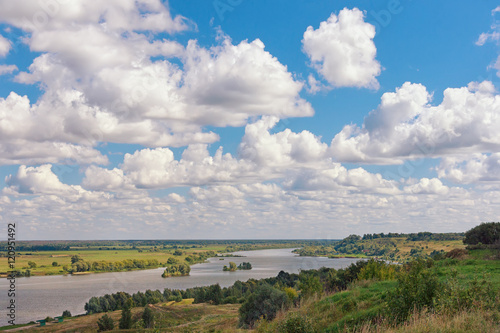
[
  {"x": 177, "y": 270},
  {"x": 233, "y": 268},
  {"x": 55, "y": 257},
  {"x": 391, "y": 246}
]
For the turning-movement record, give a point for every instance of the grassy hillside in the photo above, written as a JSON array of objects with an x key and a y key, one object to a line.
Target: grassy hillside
[
  {"x": 467, "y": 299},
  {"x": 169, "y": 317}
]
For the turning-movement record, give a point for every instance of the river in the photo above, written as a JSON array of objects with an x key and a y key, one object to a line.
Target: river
[{"x": 41, "y": 296}]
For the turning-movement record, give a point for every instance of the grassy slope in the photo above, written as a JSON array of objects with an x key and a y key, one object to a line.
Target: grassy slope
[
  {"x": 360, "y": 307},
  {"x": 169, "y": 317}
]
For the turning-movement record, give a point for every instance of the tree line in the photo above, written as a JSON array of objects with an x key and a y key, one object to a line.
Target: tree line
[{"x": 80, "y": 265}]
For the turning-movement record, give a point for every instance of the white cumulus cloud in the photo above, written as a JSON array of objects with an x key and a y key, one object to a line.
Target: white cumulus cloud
[
  {"x": 342, "y": 50},
  {"x": 405, "y": 125}
]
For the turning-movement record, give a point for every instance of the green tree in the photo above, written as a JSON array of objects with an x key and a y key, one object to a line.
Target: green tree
[
  {"x": 485, "y": 233},
  {"x": 76, "y": 258},
  {"x": 66, "y": 314},
  {"x": 310, "y": 285},
  {"x": 126, "y": 319},
  {"x": 172, "y": 261},
  {"x": 148, "y": 317},
  {"x": 32, "y": 264},
  {"x": 232, "y": 267},
  {"x": 55, "y": 264},
  {"x": 105, "y": 323},
  {"x": 264, "y": 303},
  {"x": 214, "y": 294}
]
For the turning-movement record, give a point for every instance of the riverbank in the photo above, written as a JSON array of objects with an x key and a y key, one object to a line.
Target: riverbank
[
  {"x": 45, "y": 258},
  {"x": 42, "y": 296}
]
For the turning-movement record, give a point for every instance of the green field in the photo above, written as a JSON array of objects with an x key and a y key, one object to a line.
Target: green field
[{"x": 44, "y": 259}]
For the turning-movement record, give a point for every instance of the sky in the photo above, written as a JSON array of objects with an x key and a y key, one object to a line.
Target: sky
[{"x": 239, "y": 119}]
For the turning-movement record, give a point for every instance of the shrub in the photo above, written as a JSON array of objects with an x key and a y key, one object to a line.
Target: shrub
[
  {"x": 291, "y": 294},
  {"x": 377, "y": 270},
  {"x": 416, "y": 289},
  {"x": 456, "y": 297},
  {"x": 105, "y": 323},
  {"x": 457, "y": 254},
  {"x": 264, "y": 303},
  {"x": 296, "y": 323},
  {"x": 66, "y": 314}
]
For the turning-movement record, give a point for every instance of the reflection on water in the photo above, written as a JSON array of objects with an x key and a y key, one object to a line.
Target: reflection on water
[{"x": 38, "y": 297}]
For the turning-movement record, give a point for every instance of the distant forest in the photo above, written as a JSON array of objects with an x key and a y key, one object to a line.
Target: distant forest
[{"x": 232, "y": 245}]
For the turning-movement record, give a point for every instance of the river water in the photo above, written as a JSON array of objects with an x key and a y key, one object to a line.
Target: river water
[{"x": 41, "y": 296}]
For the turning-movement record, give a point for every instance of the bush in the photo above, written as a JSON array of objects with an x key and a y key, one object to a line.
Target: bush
[
  {"x": 377, "y": 270},
  {"x": 55, "y": 264},
  {"x": 457, "y": 254},
  {"x": 456, "y": 297},
  {"x": 264, "y": 303},
  {"x": 105, "y": 323},
  {"x": 296, "y": 323},
  {"x": 416, "y": 289},
  {"x": 66, "y": 314}
]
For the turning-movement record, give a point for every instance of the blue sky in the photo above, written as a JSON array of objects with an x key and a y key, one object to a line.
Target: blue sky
[{"x": 248, "y": 119}]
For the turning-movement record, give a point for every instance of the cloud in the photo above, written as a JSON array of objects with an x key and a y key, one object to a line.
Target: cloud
[
  {"x": 107, "y": 76},
  {"x": 405, "y": 126},
  {"x": 252, "y": 209},
  {"x": 4, "y": 46},
  {"x": 337, "y": 177},
  {"x": 342, "y": 50},
  {"x": 427, "y": 186},
  {"x": 282, "y": 149},
  {"x": 494, "y": 36},
  {"x": 297, "y": 160},
  {"x": 157, "y": 168},
  {"x": 228, "y": 83},
  {"x": 41, "y": 181},
  {"x": 119, "y": 15},
  {"x": 32, "y": 137},
  {"x": 7, "y": 69},
  {"x": 477, "y": 168}
]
